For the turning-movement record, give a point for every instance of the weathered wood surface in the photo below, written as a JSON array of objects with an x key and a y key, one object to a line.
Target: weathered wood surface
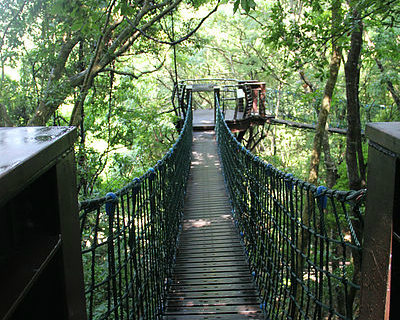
[{"x": 212, "y": 279}]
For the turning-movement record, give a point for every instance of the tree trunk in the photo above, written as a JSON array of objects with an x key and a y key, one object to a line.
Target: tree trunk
[
  {"x": 320, "y": 131},
  {"x": 278, "y": 102},
  {"x": 330, "y": 165},
  {"x": 354, "y": 157}
]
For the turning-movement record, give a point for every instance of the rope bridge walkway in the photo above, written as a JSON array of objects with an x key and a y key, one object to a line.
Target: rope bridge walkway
[
  {"x": 212, "y": 279},
  {"x": 270, "y": 246}
]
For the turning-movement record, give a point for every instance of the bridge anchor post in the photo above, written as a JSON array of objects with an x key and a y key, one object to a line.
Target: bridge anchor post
[
  {"x": 380, "y": 281},
  {"x": 217, "y": 97}
]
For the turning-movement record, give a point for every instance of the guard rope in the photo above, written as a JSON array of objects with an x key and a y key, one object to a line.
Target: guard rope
[
  {"x": 302, "y": 242},
  {"x": 129, "y": 238}
]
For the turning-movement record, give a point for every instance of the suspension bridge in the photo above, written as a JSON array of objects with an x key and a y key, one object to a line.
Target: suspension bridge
[
  {"x": 210, "y": 232},
  {"x": 214, "y": 232}
]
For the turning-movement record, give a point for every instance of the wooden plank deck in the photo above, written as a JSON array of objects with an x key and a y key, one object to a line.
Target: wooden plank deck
[{"x": 212, "y": 279}]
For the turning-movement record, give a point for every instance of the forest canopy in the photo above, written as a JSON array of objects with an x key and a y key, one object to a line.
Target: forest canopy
[{"x": 109, "y": 68}]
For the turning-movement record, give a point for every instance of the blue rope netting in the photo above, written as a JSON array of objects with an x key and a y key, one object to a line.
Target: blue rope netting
[
  {"x": 303, "y": 242},
  {"x": 129, "y": 238}
]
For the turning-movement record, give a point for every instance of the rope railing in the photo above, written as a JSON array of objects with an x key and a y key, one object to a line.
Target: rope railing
[
  {"x": 302, "y": 242},
  {"x": 129, "y": 238}
]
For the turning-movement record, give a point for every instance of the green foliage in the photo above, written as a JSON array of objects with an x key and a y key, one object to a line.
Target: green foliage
[
  {"x": 288, "y": 151},
  {"x": 123, "y": 121},
  {"x": 126, "y": 138}
]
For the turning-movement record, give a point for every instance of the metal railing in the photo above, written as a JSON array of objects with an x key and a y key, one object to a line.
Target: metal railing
[
  {"x": 303, "y": 243},
  {"x": 129, "y": 238}
]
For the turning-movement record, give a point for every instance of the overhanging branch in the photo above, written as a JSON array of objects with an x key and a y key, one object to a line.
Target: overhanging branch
[
  {"x": 187, "y": 36},
  {"x": 133, "y": 75}
]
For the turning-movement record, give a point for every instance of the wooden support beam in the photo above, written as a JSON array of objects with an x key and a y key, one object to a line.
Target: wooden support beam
[{"x": 306, "y": 126}]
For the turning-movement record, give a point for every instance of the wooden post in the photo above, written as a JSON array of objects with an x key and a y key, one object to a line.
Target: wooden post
[
  {"x": 40, "y": 254},
  {"x": 188, "y": 96},
  {"x": 380, "y": 262},
  {"x": 261, "y": 108},
  {"x": 217, "y": 95},
  {"x": 181, "y": 97}
]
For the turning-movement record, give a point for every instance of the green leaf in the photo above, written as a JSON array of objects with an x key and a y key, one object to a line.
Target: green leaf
[
  {"x": 252, "y": 4},
  {"x": 245, "y": 5},
  {"x": 236, "y": 6}
]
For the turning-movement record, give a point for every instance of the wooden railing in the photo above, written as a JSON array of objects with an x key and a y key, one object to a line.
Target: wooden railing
[{"x": 380, "y": 290}]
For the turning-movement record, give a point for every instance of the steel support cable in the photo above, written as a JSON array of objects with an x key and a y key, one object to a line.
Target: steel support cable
[
  {"x": 129, "y": 238},
  {"x": 299, "y": 238}
]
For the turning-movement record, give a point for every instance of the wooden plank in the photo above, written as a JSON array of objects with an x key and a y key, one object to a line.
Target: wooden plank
[
  {"x": 206, "y": 239},
  {"x": 215, "y": 309},
  {"x": 214, "y": 316},
  {"x": 213, "y": 269},
  {"x": 211, "y": 264},
  {"x": 220, "y": 222},
  {"x": 212, "y": 231},
  {"x": 222, "y": 279},
  {"x": 201, "y": 259},
  {"x": 205, "y": 260},
  {"x": 231, "y": 249},
  {"x": 196, "y": 289},
  {"x": 211, "y": 301},
  {"x": 207, "y": 245},
  {"x": 226, "y": 274},
  {"x": 212, "y": 294},
  {"x": 209, "y": 232},
  {"x": 188, "y": 241}
]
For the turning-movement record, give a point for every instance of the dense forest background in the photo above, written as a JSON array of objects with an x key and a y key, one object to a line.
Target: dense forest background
[{"x": 109, "y": 68}]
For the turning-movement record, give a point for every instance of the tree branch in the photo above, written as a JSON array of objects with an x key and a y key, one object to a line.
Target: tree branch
[
  {"x": 131, "y": 74},
  {"x": 184, "y": 38}
]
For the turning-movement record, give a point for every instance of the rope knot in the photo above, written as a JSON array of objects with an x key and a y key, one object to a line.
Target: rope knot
[
  {"x": 322, "y": 197},
  {"x": 152, "y": 173},
  {"x": 289, "y": 181},
  {"x": 111, "y": 200}
]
